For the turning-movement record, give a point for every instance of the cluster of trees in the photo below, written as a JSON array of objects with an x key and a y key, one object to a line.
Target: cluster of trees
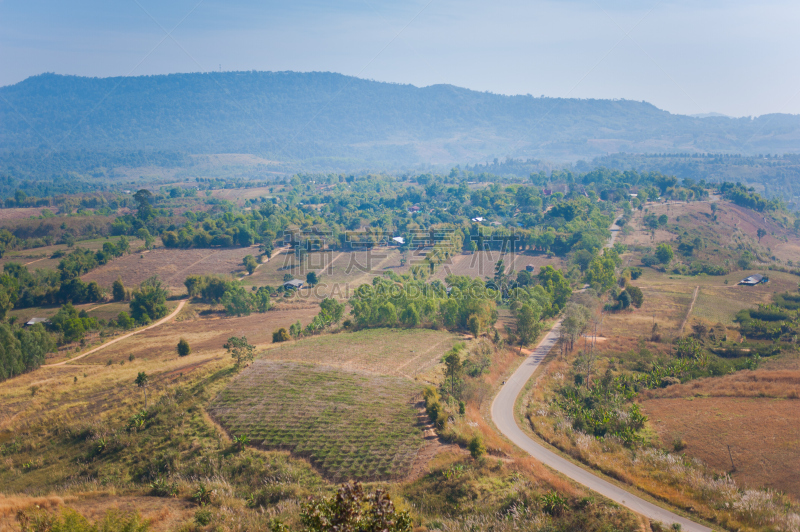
[
  {"x": 395, "y": 301},
  {"x": 73, "y": 325},
  {"x": 330, "y": 314},
  {"x": 740, "y": 195},
  {"x": 230, "y": 293},
  {"x": 22, "y": 349}
]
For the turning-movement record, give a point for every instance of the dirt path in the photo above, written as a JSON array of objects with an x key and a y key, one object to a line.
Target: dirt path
[
  {"x": 689, "y": 312},
  {"x": 37, "y": 260},
  {"x": 115, "y": 340}
]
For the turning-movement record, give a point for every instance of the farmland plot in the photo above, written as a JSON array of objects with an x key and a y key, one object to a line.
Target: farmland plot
[
  {"x": 350, "y": 425},
  {"x": 401, "y": 352},
  {"x": 172, "y": 266}
]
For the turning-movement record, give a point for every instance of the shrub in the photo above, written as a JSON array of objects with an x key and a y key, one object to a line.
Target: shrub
[
  {"x": 281, "y": 335},
  {"x": 203, "y": 495},
  {"x": 554, "y": 504},
  {"x": 183, "y": 348},
  {"x": 476, "y": 447},
  {"x": 352, "y": 509}
]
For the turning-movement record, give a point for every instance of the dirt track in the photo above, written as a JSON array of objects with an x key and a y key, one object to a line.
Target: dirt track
[{"x": 117, "y": 339}]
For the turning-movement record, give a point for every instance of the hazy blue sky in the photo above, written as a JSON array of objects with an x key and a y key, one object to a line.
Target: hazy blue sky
[{"x": 734, "y": 57}]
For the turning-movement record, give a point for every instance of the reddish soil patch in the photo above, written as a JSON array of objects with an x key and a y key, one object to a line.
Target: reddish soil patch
[{"x": 763, "y": 434}]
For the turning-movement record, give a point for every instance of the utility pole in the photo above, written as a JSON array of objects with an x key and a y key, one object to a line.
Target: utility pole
[{"x": 733, "y": 467}]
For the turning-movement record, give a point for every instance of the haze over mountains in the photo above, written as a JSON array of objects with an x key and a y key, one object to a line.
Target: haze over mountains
[{"x": 326, "y": 116}]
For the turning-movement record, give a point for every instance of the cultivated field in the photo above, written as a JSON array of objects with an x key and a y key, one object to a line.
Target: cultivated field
[
  {"x": 172, "y": 266},
  {"x": 348, "y": 269},
  {"x": 350, "y": 425},
  {"x": 400, "y": 352},
  {"x": 763, "y": 435}
]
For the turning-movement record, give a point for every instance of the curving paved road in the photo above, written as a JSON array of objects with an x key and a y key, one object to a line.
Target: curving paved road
[{"x": 503, "y": 417}]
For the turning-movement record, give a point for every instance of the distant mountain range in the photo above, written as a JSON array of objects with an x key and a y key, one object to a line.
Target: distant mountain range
[{"x": 319, "y": 116}]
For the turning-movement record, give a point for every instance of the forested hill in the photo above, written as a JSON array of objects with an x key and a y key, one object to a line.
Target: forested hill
[{"x": 305, "y": 116}]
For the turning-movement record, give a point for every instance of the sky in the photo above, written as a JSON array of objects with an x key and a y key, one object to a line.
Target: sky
[{"x": 690, "y": 57}]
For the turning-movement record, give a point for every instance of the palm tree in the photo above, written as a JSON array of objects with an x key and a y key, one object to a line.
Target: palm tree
[{"x": 141, "y": 382}]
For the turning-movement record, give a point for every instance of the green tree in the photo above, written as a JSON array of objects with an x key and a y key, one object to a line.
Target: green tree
[
  {"x": 296, "y": 329},
  {"x": 761, "y": 233},
  {"x": 141, "y": 382},
  {"x": 143, "y": 209},
  {"x": 410, "y": 317},
  {"x": 145, "y": 235},
  {"x": 528, "y": 324},
  {"x": 311, "y": 279},
  {"x": 261, "y": 299},
  {"x": 453, "y": 367},
  {"x": 556, "y": 284},
  {"x": 240, "y": 350},
  {"x": 183, "y": 348},
  {"x": 124, "y": 320},
  {"x": 332, "y": 310},
  {"x": 9, "y": 294},
  {"x": 73, "y": 330},
  {"x": 237, "y": 301},
  {"x": 118, "y": 290},
  {"x": 664, "y": 253},
  {"x": 149, "y": 303},
  {"x": 600, "y": 274},
  {"x": 637, "y": 297},
  {"x": 250, "y": 264}
]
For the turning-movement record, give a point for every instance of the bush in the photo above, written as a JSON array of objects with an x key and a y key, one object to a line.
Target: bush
[
  {"x": 476, "y": 447},
  {"x": 281, "y": 335},
  {"x": 183, "y": 348}
]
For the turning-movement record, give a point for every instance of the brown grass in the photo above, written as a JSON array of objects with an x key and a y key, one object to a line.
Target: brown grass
[
  {"x": 412, "y": 353},
  {"x": 763, "y": 434},
  {"x": 11, "y": 504},
  {"x": 481, "y": 264},
  {"x": 760, "y": 383},
  {"x": 205, "y": 334},
  {"x": 172, "y": 266}
]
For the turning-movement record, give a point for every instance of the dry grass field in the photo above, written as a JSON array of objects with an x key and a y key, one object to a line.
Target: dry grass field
[
  {"x": 40, "y": 258},
  {"x": 205, "y": 334},
  {"x": 481, "y": 264},
  {"x": 398, "y": 352},
  {"x": 172, "y": 266},
  {"x": 763, "y": 435},
  {"x": 733, "y": 224},
  {"x": 350, "y": 425},
  {"x": 667, "y": 298}
]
